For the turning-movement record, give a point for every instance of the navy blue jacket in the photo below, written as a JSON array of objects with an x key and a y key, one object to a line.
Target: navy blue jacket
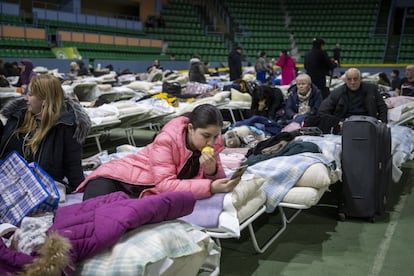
[{"x": 292, "y": 102}]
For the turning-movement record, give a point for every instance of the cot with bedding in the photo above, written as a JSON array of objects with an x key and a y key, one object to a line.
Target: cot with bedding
[
  {"x": 295, "y": 182},
  {"x": 303, "y": 179},
  {"x": 167, "y": 248},
  {"x": 298, "y": 182}
]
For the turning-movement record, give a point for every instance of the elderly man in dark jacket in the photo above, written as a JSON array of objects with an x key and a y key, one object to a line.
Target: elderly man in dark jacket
[
  {"x": 235, "y": 63},
  {"x": 354, "y": 98}
]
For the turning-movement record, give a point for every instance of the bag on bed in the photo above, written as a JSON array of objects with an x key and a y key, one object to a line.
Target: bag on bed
[
  {"x": 172, "y": 88},
  {"x": 25, "y": 189},
  {"x": 197, "y": 88}
]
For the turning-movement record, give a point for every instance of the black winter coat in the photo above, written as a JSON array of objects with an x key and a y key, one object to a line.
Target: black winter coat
[
  {"x": 235, "y": 65},
  {"x": 337, "y": 103},
  {"x": 318, "y": 66},
  {"x": 60, "y": 153}
]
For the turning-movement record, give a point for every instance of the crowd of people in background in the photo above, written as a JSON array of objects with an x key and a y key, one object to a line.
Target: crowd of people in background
[{"x": 308, "y": 88}]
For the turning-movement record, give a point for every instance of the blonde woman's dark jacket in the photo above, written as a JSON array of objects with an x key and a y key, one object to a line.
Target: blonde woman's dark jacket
[{"x": 60, "y": 152}]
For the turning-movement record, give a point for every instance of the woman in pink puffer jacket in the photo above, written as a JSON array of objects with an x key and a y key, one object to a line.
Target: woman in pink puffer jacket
[{"x": 173, "y": 162}]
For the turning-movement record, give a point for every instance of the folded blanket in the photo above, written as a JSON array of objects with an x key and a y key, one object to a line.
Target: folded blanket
[
  {"x": 281, "y": 174},
  {"x": 206, "y": 211}
]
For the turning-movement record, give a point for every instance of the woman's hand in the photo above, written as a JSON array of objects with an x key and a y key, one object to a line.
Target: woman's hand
[
  {"x": 208, "y": 163},
  {"x": 224, "y": 185}
]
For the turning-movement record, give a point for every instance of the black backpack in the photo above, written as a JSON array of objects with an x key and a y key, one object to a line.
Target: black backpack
[{"x": 172, "y": 88}]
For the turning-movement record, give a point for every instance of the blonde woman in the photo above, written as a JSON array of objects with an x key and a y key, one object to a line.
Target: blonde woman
[
  {"x": 48, "y": 128},
  {"x": 304, "y": 99}
]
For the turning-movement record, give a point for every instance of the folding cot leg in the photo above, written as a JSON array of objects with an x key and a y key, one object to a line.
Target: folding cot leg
[
  {"x": 285, "y": 221},
  {"x": 129, "y": 132},
  {"x": 98, "y": 143},
  {"x": 217, "y": 240}
]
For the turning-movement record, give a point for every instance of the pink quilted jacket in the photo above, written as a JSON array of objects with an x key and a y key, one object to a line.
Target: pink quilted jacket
[{"x": 159, "y": 164}]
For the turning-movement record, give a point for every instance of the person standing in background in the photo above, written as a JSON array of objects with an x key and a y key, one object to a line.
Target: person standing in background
[
  {"x": 337, "y": 54},
  {"x": 318, "y": 65},
  {"x": 235, "y": 63},
  {"x": 287, "y": 66},
  {"x": 262, "y": 68}
]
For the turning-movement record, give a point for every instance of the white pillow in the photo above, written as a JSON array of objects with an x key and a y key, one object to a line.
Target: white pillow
[
  {"x": 140, "y": 85},
  {"x": 250, "y": 207},
  {"x": 316, "y": 176},
  {"x": 104, "y": 87},
  {"x": 247, "y": 187},
  {"x": 303, "y": 196},
  {"x": 221, "y": 96},
  {"x": 238, "y": 96}
]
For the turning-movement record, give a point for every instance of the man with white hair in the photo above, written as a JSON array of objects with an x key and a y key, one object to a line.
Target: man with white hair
[
  {"x": 406, "y": 86},
  {"x": 355, "y": 97}
]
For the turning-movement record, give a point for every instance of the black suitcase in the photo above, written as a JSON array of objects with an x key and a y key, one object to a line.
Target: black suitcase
[{"x": 366, "y": 167}]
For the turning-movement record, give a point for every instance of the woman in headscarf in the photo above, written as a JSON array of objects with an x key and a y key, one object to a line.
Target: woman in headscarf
[{"x": 26, "y": 73}]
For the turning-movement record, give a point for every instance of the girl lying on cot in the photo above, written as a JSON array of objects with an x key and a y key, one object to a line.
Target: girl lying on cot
[{"x": 183, "y": 157}]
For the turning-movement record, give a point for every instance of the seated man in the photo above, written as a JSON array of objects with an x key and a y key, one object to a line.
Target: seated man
[
  {"x": 354, "y": 98},
  {"x": 406, "y": 85},
  {"x": 156, "y": 64}
]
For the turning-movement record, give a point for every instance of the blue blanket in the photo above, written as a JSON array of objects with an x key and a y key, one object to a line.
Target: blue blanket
[{"x": 281, "y": 173}]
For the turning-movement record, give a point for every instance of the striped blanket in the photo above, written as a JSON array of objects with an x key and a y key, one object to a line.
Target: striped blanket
[{"x": 281, "y": 173}]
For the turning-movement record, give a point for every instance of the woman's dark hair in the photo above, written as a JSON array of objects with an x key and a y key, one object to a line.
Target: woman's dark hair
[
  {"x": 383, "y": 76},
  {"x": 204, "y": 115}
]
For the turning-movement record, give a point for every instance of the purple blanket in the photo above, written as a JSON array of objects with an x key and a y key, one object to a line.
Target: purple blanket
[{"x": 206, "y": 211}]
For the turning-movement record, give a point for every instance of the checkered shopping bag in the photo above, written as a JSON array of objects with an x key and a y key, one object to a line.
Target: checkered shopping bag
[
  {"x": 51, "y": 203},
  {"x": 24, "y": 190}
]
